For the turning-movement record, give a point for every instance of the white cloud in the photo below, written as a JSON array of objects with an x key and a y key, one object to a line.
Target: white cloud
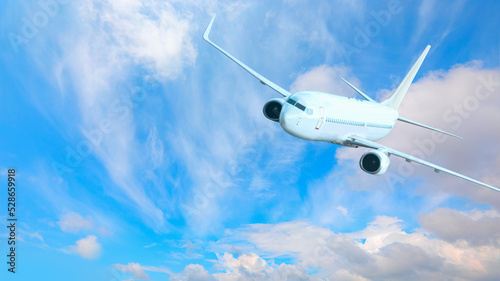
[
  {"x": 193, "y": 272},
  {"x": 155, "y": 148},
  {"x": 460, "y": 100},
  {"x": 426, "y": 13},
  {"x": 73, "y": 222},
  {"x": 133, "y": 268},
  {"x": 118, "y": 41},
  {"x": 476, "y": 227},
  {"x": 87, "y": 248},
  {"x": 139, "y": 271},
  {"x": 252, "y": 267},
  {"x": 381, "y": 251},
  {"x": 377, "y": 232},
  {"x": 150, "y": 33},
  {"x": 246, "y": 267},
  {"x": 151, "y": 245},
  {"x": 343, "y": 210},
  {"x": 326, "y": 79},
  {"x": 429, "y": 18},
  {"x": 34, "y": 238}
]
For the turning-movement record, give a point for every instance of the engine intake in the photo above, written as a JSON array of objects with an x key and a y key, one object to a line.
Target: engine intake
[
  {"x": 272, "y": 109},
  {"x": 374, "y": 162}
]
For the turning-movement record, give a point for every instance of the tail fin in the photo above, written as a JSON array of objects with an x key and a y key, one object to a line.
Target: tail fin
[{"x": 395, "y": 99}]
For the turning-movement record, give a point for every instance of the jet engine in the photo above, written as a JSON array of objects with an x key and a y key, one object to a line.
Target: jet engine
[
  {"x": 272, "y": 109},
  {"x": 374, "y": 162}
]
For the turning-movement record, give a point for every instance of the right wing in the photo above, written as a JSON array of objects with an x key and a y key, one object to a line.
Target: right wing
[
  {"x": 358, "y": 141},
  {"x": 427, "y": 127},
  {"x": 262, "y": 79}
]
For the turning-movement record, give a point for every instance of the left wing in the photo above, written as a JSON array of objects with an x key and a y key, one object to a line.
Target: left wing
[
  {"x": 358, "y": 141},
  {"x": 262, "y": 79}
]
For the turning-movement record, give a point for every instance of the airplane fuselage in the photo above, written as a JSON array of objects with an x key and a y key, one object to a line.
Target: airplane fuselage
[{"x": 318, "y": 116}]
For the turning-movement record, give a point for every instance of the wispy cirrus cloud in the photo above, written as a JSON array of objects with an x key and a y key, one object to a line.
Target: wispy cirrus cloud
[
  {"x": 139, "y": 271},
  {"x": 117, "y": 41},
  {"x": 73, "y": 222}
]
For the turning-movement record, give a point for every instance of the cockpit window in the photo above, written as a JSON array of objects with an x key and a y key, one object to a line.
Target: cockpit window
[
  {"x": 300, "y": 106},
  {"x": 309, "y": 111},
  {"x": 296, "y": 104}
]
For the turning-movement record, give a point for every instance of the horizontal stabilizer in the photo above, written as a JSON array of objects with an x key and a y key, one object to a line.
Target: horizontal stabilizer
[
  {"x": 357, "y": 90},
  {"x": 427, "y": 127}
]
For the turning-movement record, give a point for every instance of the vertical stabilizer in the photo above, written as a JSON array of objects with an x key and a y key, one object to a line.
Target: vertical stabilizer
[{"x": 395, "y": 99}]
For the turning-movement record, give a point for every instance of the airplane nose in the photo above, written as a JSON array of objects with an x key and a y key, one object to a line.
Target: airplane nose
[{"x": 287, "y": 118}]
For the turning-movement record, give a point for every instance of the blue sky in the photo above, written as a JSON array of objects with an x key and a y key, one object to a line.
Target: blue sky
[{"x": 142, "y": 153}]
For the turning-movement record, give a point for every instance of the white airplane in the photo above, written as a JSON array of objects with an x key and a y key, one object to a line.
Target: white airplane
[{"x": 317, "y": 116}]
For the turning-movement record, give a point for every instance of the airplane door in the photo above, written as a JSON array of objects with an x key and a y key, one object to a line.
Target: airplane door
[{"x": 321, "y": 117}]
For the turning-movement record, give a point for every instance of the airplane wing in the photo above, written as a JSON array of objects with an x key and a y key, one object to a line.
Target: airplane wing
[
  {"x": 262, "y": 79},
  {"x": 358, "y": 141},
  {"x": 367, "y": 97}
]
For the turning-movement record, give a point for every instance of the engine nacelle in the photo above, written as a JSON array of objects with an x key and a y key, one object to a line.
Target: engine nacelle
[
  {"x": 374, "y": 162},
  {"x": 272, "y": 109}
]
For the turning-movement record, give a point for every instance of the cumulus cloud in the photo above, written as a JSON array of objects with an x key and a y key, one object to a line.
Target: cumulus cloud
[
  {"x": 326, "y": 79},
  {"x": 246, "y": 267},
  {"x": 476, "y": 227},
  {"x": 87, "y": 248},
  {"x": 381, "y": 251},
  {"x": 460, "y": 100},
  {"x": 73, "y": 222},
  {"x": 252, "y": 267},
  {"x": 193, "y": 272}
]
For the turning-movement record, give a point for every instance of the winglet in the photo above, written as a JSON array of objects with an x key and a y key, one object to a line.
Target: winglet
[
  {"x": 209, "y": 27},
  {"x": 261, "y": 78},
  {"x": 358, "y": 91}
]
